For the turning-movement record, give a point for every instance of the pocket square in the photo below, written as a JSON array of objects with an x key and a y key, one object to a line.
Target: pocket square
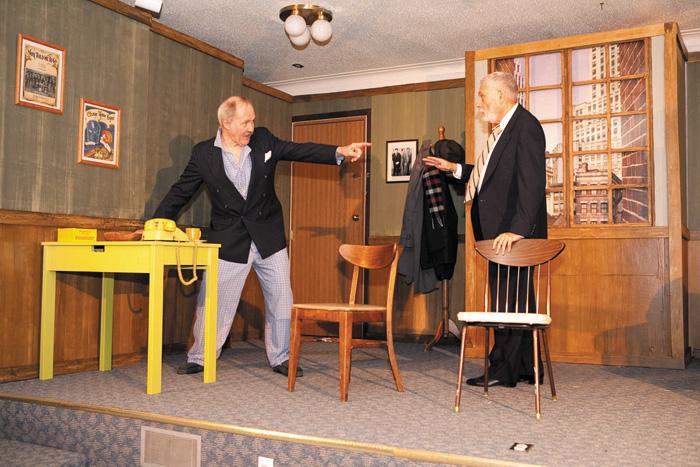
[{"x": 268, "y": 156}]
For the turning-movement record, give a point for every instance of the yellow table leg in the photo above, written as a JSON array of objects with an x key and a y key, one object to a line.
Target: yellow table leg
[
  {"x": 155, "y": 328},
  {"x": 210, "y": 314},
  {"x": 48, "y": 315},
  {"x": 106, "y": 313}
]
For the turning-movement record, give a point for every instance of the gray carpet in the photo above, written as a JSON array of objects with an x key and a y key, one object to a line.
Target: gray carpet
[{"x": 604, "y": 416}]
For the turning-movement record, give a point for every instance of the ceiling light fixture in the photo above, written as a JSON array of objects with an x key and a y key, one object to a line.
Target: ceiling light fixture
[{"x": 305, "y": 21}]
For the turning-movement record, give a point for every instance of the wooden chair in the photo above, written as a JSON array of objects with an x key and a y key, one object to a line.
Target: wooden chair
[
  {"x": 517, "y": 302},
  {"x": 345, "y": 314}
]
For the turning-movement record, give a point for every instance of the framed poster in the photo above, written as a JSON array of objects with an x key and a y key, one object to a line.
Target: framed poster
[
  {"x": 400, "y": 156},
  {"x": 40, "y": 74},
  {"x": 98, "y": 142}
]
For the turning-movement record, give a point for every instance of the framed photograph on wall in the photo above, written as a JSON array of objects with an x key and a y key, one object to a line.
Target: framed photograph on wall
[
  {"x": 40, "y": 74},
  {"x": 400, "y": 156},
  {"x": 98, "y": 142}
]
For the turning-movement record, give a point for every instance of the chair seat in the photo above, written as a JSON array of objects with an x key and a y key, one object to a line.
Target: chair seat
[
  {"x": 505, "y": 318},
  {"x": 338, "y": 307}
]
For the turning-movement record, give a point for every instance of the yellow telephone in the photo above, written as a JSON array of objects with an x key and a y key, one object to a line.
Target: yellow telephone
[{"x": 163, "y": 229}]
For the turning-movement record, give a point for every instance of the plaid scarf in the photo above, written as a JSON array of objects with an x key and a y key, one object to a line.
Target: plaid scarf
[{"x": 432, "y": 188}]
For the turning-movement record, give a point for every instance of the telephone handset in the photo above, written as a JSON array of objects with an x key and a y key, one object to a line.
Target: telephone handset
[{"x": 165, "y": 229}]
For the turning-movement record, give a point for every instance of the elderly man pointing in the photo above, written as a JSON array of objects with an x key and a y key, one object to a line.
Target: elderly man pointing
[{"x": 237, "y": 167}]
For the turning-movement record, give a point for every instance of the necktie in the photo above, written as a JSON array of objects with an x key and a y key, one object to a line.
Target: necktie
[{"x": 479, "y": 164}]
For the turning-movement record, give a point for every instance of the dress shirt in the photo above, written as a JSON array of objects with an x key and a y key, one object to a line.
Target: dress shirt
[{"x": 504, "y": 122}]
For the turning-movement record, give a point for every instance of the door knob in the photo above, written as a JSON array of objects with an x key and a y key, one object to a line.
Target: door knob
[{"x": 355, "y": 217}]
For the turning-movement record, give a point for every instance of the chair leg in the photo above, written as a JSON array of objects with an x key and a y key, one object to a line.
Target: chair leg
[
  {"x": 294, "y": 346},
  {"x": 392, "y": 360},
  {"x": 486, "y": 360},
  {"x": 344, "y": 349},
  {"x": 536, "y": 349},
  {"x": 460, "y": 371},
  {"x": 550, "y": 373}
]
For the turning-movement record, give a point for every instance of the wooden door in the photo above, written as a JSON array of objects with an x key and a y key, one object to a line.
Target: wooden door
[{"x": 328, "y": 208}]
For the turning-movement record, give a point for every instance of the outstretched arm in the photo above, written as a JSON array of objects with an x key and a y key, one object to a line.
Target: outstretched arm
[
  {"x": 352, "y": 151},
  {"x": 458, "y": 171}
]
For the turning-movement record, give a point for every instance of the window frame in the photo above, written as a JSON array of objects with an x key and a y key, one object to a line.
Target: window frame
[{"x": 567, "y": 154}]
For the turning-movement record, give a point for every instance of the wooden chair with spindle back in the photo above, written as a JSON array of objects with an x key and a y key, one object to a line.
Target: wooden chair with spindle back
[
  {"x": 516, "y": 273},
  {"x": 345, "y": 314}
]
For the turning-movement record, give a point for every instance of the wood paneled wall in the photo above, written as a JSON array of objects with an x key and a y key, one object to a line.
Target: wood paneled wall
[
  {"x": 168, "y": 93},
  {"x": 692, "y": 166},
  {"x": 78, "y": 302}
]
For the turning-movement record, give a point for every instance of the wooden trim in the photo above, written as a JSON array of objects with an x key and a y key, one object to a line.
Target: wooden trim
[
  {"x": 597, "y": 233},
  {"x": 177, "y": 36},
  {"x": 60, "y": 368},
  {"x": 619, "y": 360},
  {"x": 694, "y": 235},
  {"x": 681, "y": 43},
  {"x": 413, "y": 87},
  {"x": 126, "y": 10},
  {"x": 693, "y": 57},
  {"x": 686, "y": 232},
  {"x": 270, "y": 91},
  {"x": 673, "y": 155},
  {"x": 469, "y": 149},
  {"x": 50, "y": 220},
  {"x": 332, "y": 115},
  {"x": 580, "y": 40}
]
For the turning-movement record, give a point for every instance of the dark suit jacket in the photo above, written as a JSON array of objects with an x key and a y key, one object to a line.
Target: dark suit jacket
[
  {"x": 512, "y": 197},
  {"x": 236, "y": 221}
]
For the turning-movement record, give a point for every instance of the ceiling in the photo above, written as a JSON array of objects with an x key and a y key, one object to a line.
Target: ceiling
[{"x": 380, "y": 34}]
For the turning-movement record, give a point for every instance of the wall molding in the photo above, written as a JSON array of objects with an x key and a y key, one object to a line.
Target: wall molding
[
  {"x": 374, "y": 78},
  {"x": 252, "y": 84},
  {"x": 414, "y": 87}
]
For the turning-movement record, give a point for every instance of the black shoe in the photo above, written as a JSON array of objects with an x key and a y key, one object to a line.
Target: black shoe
[
  {"x": 479, "y": 381},
  {"x": 530, "y": 379},
  {"x": 190, "y": 368},
  {"x": 283, "y": 369}
]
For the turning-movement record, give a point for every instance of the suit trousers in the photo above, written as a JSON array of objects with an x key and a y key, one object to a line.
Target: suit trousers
[
  {"x": 512, "y": 356},
  {"x": 273, "y": 275}
]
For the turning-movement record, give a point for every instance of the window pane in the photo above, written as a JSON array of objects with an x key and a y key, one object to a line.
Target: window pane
[
  {"x": 546, "y": 105},
  {"x": 631, "y": 206},
  {"x": 545, "y": 69},
  {"x": 552, "y": 134},
  {"x": 627, "y": 58},
  {"x": 628, "y": 131},
  {"x": 589, "y": 99},
  {"x": 555, "y": 209},
  {"x": 590, "y": 169},
  {"x": 588, "y": 64},
  {"x": 589, "y": 134},
  {"x": 514, "y": 66},
  {"x": 591, "y": 206},
  {"x": 629, "y": 95},
  {"x": 555, "y": 172},
  {"x": 630, "y": 167}
]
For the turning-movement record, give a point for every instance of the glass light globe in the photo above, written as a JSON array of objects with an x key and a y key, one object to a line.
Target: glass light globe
[
  {"x": 302, "y": 39},
  {"x": 321, "y": 30},
  {"x": 294, "y": 25}
]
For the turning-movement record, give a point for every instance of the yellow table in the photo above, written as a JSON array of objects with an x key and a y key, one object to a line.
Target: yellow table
[{"x": 147, "y": 257}]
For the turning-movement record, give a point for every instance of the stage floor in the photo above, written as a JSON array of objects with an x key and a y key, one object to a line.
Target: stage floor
[{"x": 604, "y": 415}]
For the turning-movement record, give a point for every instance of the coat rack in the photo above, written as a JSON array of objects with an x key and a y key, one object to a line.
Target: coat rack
[{"x": 442, "y": 333}]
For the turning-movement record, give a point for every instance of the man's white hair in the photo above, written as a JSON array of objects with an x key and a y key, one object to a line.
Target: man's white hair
[
  {"x": 505, "y": 82},
  {"x": 227, "y": 109}
]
